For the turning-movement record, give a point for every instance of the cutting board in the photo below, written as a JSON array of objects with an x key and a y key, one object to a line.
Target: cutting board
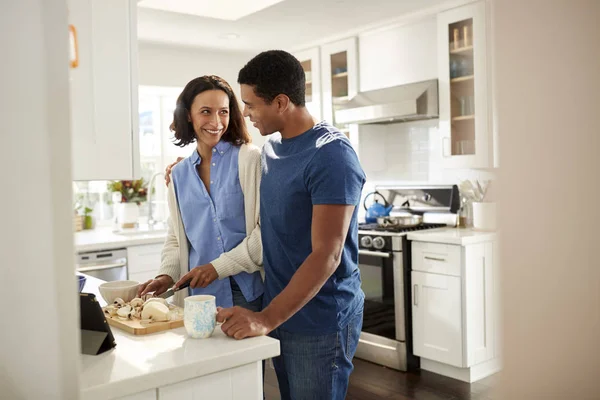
[{"x": 136, "y": 327}]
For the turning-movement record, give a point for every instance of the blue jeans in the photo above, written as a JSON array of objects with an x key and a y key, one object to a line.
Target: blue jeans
[
  {"x": 240, "y": 300},
  {"x": 316, "y": 367}
]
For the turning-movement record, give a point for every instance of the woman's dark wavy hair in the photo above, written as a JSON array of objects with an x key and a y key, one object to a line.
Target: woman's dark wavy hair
[{"x": 236, "y": 132}]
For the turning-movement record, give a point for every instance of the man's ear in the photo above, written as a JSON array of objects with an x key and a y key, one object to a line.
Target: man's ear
[{"x": 283, "y": 103}]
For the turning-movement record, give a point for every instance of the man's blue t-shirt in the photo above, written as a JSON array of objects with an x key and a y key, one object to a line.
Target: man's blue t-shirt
[{"x": 317, "y": 167}]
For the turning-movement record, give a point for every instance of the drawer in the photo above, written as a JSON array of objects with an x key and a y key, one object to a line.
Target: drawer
[
  {"x": 144, "y": 258},
  {"x": 436, "y": 258}
]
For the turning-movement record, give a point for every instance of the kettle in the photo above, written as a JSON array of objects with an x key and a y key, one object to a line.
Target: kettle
[{"x": 376, "y": 210}]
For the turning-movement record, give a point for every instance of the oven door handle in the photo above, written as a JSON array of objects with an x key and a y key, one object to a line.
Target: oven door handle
[{"x": 381, "y": 254}]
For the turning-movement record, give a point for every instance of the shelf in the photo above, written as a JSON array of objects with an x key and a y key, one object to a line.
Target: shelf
[
  {"x": 462, "y": 79},
  {"x": 461, "y": 50},
  {"x": 340, "y": 100},
  {"x": 463, "y": 118},
  {"x": 340, "y": 75}
]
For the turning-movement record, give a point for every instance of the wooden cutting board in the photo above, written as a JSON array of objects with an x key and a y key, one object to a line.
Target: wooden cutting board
[{"x": 136, "y": 327}]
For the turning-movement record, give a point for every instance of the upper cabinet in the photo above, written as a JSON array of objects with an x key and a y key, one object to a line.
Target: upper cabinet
[
  {"x": 310, "y": 60},
  {"x": 339, "y": 78},
  {"x": 398, "y": 55},
  {"x": 103, "y": 80},
  {"x": 464, "y": 87}
]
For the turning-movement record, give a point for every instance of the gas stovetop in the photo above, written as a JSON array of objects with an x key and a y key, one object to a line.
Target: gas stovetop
[{"x": 398, "y": 229}]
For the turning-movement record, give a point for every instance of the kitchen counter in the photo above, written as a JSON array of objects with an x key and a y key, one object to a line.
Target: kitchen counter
[
  {"x": 457, "y": 236},
  {"x": 147, "y": 362},
  {"x": 105, "y": 239}
]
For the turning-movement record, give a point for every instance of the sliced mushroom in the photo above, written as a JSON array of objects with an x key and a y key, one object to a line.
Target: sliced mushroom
[
  {"x": 137, "y": 302},
  {"x": 156, "y": 312},
  {"x": 155, "y": 299},
  {"x": 110, "y": 310},
  {"x": 119, "y": 302}
]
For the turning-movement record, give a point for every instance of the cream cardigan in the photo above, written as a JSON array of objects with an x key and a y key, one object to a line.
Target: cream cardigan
[{"x": 246, "y": 257}]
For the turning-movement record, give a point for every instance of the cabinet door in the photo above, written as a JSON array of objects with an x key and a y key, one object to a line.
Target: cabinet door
[
  {"x": 464, "y": 89},
  {"x": 311, "y": 62},
  {"x": 104, "y": 90},
  {"x": 437, "y": 317},
  {"x": 147, "y": 395},
  {"x": 479, "y": 303},
  {"x": 241, "y": 383},
  {"x": 144, "y": 259},
  {"x": 339, "y": 72}
]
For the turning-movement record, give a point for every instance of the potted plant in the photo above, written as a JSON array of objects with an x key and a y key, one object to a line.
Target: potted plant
[
  {"x": 132, "y": 194},
  {"x": 88, "y": 221}
]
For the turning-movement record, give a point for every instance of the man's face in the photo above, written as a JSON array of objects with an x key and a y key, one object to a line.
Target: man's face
[{"x": 264, "y": 116}]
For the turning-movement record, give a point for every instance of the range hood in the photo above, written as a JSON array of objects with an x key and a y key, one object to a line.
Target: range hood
[{"x": 411, "y": 102}]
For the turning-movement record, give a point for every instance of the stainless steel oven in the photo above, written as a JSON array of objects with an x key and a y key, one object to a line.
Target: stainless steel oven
[
  {"x": 384, "y": 263},
  {"x": 383, "y": 337}
]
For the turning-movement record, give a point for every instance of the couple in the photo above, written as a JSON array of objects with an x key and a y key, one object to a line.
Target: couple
[{"x": 306, "y": 237}]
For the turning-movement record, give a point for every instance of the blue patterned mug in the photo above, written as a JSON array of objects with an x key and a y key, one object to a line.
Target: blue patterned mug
[{"x": 199, "y": 316}]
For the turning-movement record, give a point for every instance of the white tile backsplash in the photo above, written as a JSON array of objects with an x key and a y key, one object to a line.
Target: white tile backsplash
[{"x": 408, "y": 153}]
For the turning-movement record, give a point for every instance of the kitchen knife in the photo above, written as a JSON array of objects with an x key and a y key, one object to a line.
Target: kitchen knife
[{"x": 173, "y": 290}]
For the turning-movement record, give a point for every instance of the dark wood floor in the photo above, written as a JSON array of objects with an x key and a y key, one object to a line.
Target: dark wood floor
[{"x": 374, "y": 382}]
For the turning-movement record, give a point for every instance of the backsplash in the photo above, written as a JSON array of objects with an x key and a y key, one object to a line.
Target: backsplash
[{"x": 409, "y": 153}]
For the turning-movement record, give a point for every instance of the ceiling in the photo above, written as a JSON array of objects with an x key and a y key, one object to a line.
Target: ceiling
[{"x": 290, "y": 24}]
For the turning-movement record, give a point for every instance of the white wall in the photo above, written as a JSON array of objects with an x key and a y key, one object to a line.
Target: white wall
[
  {"x": 548, "y": 97},
  {"x": 161, "y": 65},
  {"x": 39, "y": 339}
]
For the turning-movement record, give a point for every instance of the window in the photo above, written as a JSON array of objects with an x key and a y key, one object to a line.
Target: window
[{"x": 156, "y": 106}]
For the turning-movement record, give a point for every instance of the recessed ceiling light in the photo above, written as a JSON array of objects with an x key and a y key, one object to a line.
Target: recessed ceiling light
[
  {"x": 230, "y": 36},
  {"x": 230, "y": 10}
]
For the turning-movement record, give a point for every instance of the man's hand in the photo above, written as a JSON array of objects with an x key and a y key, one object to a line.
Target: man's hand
[
  {"x": 240, "y": 323},
  {"x": 201, "y": 276},
  {"x": 159, "y": 285},
  {"x": 168, "y": 170}
]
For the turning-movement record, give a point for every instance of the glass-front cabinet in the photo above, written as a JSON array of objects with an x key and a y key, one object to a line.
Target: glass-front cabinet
[
  {"x": 310, "y": 60},
  {"x": 339, "y": 73},
  {"x": 464, "y": 87}
]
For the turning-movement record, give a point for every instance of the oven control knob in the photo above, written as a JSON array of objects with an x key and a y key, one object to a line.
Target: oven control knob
[
  {"x": 366, "y": 241},
  {"x": 378, "y": 243}
]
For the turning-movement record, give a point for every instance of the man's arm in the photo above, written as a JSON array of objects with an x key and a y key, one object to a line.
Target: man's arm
[{"x": 330, "y": 224}]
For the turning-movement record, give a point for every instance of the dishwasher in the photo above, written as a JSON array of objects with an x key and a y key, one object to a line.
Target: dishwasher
[{"x": 108, "y": 265}]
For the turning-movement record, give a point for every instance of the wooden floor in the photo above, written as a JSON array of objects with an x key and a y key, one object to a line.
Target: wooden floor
[{"x": 373, "y": 382}]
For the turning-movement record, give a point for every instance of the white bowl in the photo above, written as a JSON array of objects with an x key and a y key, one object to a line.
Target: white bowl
[{"x": 127, "y": 290}]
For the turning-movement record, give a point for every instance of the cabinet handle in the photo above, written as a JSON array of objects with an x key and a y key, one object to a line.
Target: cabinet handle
[
  {"x": 435, "y": 259},
  {"x": 74, "y": 48},
  {"x": 415, "y": 295}
]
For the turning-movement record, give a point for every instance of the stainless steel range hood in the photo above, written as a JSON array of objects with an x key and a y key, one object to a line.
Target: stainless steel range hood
[{"x": 411, "y": 102}]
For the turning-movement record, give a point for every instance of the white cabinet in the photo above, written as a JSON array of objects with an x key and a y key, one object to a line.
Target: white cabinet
[
  {"x": 339, "y": 80},
  {"x": 454, "y": 302},
  {"x": 398, "y": 55},
  {"x": 465, "y": 86},
  {"x": 103, "y": 87},
  {"x": 241, "y": 383},
  {"x": 437, "y": 322},
  {"x": 143, "y": 261},
  {"x": 147, "y": 395},
  {"x": 311, "y": 63}
]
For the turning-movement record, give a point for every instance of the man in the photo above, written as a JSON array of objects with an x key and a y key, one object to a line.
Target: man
[{"x": 311, "y": 184}]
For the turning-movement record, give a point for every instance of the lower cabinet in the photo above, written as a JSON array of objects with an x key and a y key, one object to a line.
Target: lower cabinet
[
  {"x": 437, "y": 318},
  {"x": 241, "y": 383},
  {"x": 454, "y": 303},
  {"x": 147, "y": 395},
  {"x": 143, "y": 261}
]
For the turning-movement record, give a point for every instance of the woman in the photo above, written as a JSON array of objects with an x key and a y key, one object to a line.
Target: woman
[{"x": 213, "y": 202}]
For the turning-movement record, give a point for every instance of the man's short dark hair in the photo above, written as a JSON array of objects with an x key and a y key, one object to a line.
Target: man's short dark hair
[{"x": 275, "y": 72}]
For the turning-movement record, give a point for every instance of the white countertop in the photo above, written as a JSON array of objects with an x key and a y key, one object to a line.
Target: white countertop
[
  {"x": 458, "y": 236},
  {"x": 105, "y": 239},
  {"x": 143, "y": 362}
]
